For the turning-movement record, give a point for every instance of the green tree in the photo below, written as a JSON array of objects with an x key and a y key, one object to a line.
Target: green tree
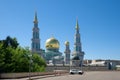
[
  {"x": 8, "y": 53},
  {"x": 2, "y": 58},
  {"x": 20, "y": 60},
  {"x": 17, "y": 59},
  {"x": 10, "y": 42},
  {"x": 38, "y": 63}
]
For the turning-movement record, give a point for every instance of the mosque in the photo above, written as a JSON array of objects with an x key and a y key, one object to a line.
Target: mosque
[{"x": 52, "y": 55}]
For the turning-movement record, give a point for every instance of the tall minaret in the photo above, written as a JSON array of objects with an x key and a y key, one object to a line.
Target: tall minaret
[
  {"x": 78, "y": 54},
  {"x": 35, "y": 40},
  {"x": 67, "y": 53}
]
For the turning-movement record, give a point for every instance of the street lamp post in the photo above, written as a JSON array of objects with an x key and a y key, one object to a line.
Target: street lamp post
[{"x": 30, "y": 61}]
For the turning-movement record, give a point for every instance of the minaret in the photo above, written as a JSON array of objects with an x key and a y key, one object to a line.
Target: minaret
[
  {"x": 78, "y": 54},
  {"x": 35, "y": 40},
  {"x": 77, "y": 44},
  {"x": 67, "y": 53}
]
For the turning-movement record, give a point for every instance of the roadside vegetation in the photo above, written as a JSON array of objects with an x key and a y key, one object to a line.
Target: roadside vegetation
[{"x": 14, "y": 58}]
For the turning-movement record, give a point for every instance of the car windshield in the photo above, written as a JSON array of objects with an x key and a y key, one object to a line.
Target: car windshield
[{"x": 74, "y": 70}]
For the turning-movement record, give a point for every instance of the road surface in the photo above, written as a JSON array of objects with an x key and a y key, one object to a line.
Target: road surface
[{"x": 93, "y": 75}]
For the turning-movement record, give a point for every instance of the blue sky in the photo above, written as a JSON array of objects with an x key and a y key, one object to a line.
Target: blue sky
[{"x": 99, "y": 22}]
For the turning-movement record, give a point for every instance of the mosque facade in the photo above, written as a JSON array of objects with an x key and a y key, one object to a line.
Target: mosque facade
[{"x": 52, "y": 55}]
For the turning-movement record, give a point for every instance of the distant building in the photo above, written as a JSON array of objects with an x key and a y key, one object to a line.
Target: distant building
[
  {"x": 111, "y": 64},
  {"x": 86, "y": 62},
  {"x": 52, "y": 55}
]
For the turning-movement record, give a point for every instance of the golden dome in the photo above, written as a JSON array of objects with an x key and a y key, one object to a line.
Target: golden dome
[
  {"x": 66, "y": 43},
  {"x": 52, "y": 43}
]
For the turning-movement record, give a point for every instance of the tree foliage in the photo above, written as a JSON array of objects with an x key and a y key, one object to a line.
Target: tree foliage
[
  {"x": 10, "y": 42},
  {"x": 14, "y": 58}
]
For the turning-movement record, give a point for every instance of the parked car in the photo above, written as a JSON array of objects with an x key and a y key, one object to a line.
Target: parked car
[{"x": 76, "y": 71}]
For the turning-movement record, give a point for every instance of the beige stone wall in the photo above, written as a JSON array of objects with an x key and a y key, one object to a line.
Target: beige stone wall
[
  {"x": 85, "y": 68},
  {"x": 22, "y": 75},
  {"x": 50, "y": 70}
]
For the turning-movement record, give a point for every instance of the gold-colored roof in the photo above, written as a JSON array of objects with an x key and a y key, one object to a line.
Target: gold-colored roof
[
  {"x": 52, "y": 43},
  {"x": 66, "y": 42},
  {"x": 35, "y": 18},
  {"x": 77, "y": 26}
]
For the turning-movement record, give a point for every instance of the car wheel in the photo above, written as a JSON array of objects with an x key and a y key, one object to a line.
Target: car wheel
[
  {"x": 71, "y": 73},
  {"x": 80, "y": 73}
]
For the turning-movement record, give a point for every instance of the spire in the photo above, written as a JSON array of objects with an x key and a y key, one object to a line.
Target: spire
[
  {"x": 35, "y": 18},
  {"x": 77, "y": 25},
  {"x": 52, "y": 36}
]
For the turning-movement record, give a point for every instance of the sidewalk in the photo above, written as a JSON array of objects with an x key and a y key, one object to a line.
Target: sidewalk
[{"x": 35, "y": 77}]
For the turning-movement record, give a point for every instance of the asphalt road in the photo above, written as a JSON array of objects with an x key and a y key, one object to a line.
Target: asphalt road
[{"x": 93, "y": 75}]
